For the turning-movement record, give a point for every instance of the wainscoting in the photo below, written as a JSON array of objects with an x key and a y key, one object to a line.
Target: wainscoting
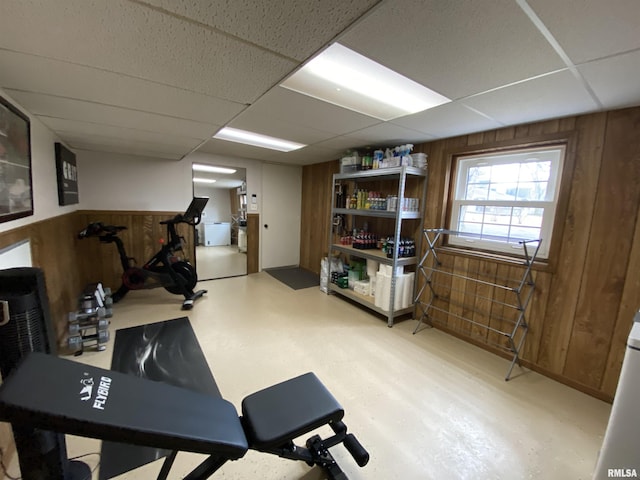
[{"x": 589, "y": 290}]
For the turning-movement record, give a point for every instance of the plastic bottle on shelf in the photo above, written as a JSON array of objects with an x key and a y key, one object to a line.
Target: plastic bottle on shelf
[
  {"x": 390, "y": 247},
  {"x": 378, "y": 156}
]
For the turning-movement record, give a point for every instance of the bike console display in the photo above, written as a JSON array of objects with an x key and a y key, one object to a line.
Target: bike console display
[{"x": 194, "y": 211}]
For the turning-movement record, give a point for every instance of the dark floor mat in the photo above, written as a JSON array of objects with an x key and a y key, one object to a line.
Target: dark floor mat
[
  {"x": 295, "y": 277},
  {"x": 166, "y": 352}
]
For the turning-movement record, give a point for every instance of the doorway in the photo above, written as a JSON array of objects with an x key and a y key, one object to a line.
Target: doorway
[
  {"x": 282, "y": 193},
  {"x": 221, "y": 235}
]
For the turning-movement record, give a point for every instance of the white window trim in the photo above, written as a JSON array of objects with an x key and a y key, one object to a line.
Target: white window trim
[{"x": 465, "y": 162}]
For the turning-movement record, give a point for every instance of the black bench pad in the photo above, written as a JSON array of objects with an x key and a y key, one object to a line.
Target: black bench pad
[
  {"x": 52, "y": 393},
  {"x": 284, "y": 411}
]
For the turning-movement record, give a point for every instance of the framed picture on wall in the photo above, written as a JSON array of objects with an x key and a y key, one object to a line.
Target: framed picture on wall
[
  {"x": 16, "y": 195},
  {"x": 67, "y": 174}
]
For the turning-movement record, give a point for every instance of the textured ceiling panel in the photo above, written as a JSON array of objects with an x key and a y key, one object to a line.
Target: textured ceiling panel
[
  {"x": 300, "y": 109},
  {"x": 294, "y": 28},
  {"x": 551, "y": 96},
  {"x": 456, "y": 48},
  {"x": 97, "y": 131},
  {"x": 38, "y": 74},
  {"x": 388, "y": 135},
  {"x": 124, "y": 148},
  {"x": 232, "y": 149},
  {"x": 343, "y": 143},
  {"x": 143, "y": 43},
  {"x": 590, "y": 29},
  {"x": 615, "y": 80},
  {"x": 448, "y": 120},
  {"x": 307, "y": 156},
  {"x": 266, "y": 125},
  {"x": 97, "y": 114}
]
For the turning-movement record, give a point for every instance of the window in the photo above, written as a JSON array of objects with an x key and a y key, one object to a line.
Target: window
[{"x": 500, "y": 199}]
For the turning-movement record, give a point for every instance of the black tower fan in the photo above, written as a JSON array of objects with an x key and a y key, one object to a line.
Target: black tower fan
[{"x": 25, "y": 326}]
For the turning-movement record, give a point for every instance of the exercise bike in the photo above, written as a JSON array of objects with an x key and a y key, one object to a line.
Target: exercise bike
[{"x": 164, "y": 269}]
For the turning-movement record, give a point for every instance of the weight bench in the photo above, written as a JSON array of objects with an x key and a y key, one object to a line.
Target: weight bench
[{"x": 51, "y": 393}]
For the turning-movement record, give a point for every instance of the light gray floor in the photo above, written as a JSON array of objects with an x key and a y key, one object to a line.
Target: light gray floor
[
  {"x": 220, "y": 262},
  {"x": 426, "y": 406}
]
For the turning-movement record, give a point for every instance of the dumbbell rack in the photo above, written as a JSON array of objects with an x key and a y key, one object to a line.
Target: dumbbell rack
[{"x": 89, "y": 325}]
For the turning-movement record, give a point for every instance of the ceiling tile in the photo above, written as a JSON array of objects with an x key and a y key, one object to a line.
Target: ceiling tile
[
  {"x": 60, "y": 126},
  {"x": 341, "y": 144},
  {"x": 37, "y": 74},
  {"x": 455, "y": 48},
  {"x": 295, "y": 108},
  {"x": 97, "y": 114},
  {"x": 294, "y": 29},
  {"x": 448, "y": 120},
  {"x": 233, "y": 149},
  {"x": 129, "y": 38},
  {"x": 304, "y": 156},
  {"x": 615, "y": 80},
  {"x": 590, "y": 29},
  {"x": 388, "y": 135},
  {"x": 129, "y": 147},
  {"x": 307, "y": 156},
  {"x": 267, "y": 125},
  {"x": 550, "y": 96}
]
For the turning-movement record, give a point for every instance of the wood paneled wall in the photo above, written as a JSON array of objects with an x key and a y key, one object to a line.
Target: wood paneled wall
[
  {"x": 69, "y": 263},
  {"x": 316, "y": 208},
  {"x": 53, "y": 249},
  {"x": 253, "y": 243},
  {"x": 587, "y": 294},
  {"x": 141, "y": 241}
]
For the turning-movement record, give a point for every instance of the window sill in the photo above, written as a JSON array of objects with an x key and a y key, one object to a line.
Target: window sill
[{"x": 541, "y": 265}]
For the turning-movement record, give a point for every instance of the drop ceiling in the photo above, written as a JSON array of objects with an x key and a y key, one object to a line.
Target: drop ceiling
[{"x": 158, "y": 78}]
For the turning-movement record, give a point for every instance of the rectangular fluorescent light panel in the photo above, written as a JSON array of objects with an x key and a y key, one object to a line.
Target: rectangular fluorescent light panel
[
  {"x": 257, "y": 140},
  {"x": 203, "y": 180},
  {"x": 198, "y": 167},
  {"x": 345, "y": 78}
]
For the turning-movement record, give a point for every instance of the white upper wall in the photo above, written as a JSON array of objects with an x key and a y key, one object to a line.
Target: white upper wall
[
  {"x": 109, "y": 181},
  {"x": 120, "y": 182},
  {"x": 252, "y": 167},
  {"x": 43, "y": 174},
  {"x": 218, "y": 207}
]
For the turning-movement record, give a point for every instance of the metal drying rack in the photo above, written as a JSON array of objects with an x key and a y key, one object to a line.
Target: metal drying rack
[{"x": 520, "y": 289}]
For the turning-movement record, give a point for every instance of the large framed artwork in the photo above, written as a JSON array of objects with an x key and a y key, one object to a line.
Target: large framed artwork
[{"x": 16, "y": 195}]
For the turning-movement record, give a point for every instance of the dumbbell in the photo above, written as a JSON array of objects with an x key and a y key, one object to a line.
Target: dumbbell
[
  {"x": 94, "y": 296},
  {"x": 75, "y": 327},
  {"x": 102, "y": 294},
  {"x": 108, "y": 301},
  {"x": 79, "y": 316},
  {"x": 101, "y": 338},
  {"x": 87, "y": 302},
  {"x": 76, "y": 342}
]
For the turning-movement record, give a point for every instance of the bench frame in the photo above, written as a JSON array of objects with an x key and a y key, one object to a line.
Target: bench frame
[{"x": 44, "y": 393}]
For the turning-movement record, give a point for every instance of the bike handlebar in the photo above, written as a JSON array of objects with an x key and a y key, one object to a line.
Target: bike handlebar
[
  {"x": 98, "y": 228},
  {"x": 181, "y": 219}
]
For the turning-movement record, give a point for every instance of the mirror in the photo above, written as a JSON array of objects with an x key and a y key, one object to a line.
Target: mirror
[{"x": 221, "y": 240}]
